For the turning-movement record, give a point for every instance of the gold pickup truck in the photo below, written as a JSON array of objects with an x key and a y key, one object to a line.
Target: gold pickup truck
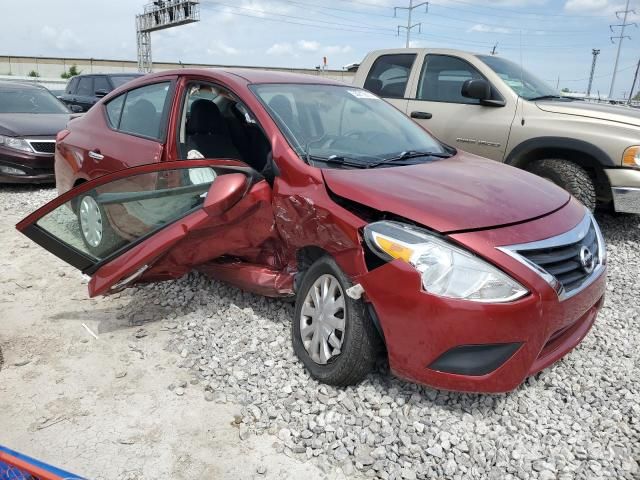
[{"x": 494, "y": 108}]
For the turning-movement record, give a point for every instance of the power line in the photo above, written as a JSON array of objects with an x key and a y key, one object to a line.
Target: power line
[{"x": 512, "y": 13}]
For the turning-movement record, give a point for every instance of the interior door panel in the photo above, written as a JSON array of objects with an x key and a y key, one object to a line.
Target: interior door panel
[{"x": 154, "y": 222}]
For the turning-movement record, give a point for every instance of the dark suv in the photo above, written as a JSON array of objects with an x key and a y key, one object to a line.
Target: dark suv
[{"x": 83, "y": 91}]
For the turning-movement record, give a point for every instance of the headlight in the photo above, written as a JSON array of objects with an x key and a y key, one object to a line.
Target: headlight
[
  {"x": 446, "y": 270},
  {"x": 15, "y": 143},
  {"x": 631, "y": 157}
]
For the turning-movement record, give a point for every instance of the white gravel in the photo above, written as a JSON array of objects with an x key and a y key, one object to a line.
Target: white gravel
[{"x": 578, "y": 419}]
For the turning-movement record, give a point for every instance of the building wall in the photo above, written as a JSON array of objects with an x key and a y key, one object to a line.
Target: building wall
[{"x": 52, "y": 68}]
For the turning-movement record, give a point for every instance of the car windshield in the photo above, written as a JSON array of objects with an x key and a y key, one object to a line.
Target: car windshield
[
  {"x": 119, "y": 80},
  {"x": 345, "y": 125},
  {"x": 525, "y": 84},
  {"x": 29, "y": 100}
]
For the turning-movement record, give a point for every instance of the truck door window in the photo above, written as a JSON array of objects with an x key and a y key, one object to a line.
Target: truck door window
[
  {"x": 101, "y": 83},
  {"x": 85, "y": 87},
  {"x": 389, "y": 75},
  {"x": 442, "y": 77}
]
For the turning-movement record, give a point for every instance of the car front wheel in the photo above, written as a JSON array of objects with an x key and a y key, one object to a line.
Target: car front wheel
[
  {"x": 570, "y": 176},
  {"x": 332, "y": 335}
]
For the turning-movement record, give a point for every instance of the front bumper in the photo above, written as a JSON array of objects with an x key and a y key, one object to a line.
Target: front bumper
[
  {"x": 625, "y": 189},
  {"x": 37, "y": 168},
  {"x": 510, "y": 341}
]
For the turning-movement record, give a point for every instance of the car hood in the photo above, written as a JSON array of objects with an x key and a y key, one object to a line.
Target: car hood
[
  {"x": 613, "y": 113},
  {"x": 32, "y": 124},
  {"x": 464, "y": 192}
]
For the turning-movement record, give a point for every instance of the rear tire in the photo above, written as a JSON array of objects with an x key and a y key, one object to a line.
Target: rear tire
[
  {"x": 357, "y": 344},
  {"x": 568, "y": 175}
]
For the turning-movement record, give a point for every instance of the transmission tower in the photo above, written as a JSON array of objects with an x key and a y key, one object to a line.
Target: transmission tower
[
  {"x": 620, "y": 38},
  {"x": 410, "y": 26},
  {"x": 159, "y": 15},
  {"x": 595, "y": 52}
]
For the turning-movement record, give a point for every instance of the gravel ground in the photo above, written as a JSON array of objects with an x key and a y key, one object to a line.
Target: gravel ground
[{"x": 577, "y": 419}]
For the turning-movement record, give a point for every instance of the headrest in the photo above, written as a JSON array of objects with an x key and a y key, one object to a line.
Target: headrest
[{"x": 205, "y": 118}]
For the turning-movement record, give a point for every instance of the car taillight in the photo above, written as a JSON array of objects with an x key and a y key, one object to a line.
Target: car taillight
[{"x": 61, "y": 135}]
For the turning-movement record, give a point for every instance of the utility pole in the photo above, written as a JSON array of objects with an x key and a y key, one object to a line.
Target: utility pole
[
  {"x": 620, "y": 38},
  {"x": 635, "y": 79},
  {"x": 595, "y": 52},
  {"x": 410, "y": 26},
  {"x": 493, "y": 50}
]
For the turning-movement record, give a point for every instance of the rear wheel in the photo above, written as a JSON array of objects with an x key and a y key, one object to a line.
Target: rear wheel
[
  {"x": 331, "y": 333},
  {"x": 568, "y": 175},
  {"x": 95, "y": 229}
]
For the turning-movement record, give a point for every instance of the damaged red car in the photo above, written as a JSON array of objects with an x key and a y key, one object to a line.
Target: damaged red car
[{"x": 470, "y": 274}]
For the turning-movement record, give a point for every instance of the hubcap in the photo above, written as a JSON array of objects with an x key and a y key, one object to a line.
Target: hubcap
[
  {"x": 91, "y": 221},
  {"x": 322, "y": 319}
]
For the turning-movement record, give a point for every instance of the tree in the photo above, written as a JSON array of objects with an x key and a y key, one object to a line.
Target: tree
[
  {"x": 566, "y": 90},
  {"x": 72, "y": 72},
  {"x": 637, "y": 97},
  {"x": 33, "y": 73}
]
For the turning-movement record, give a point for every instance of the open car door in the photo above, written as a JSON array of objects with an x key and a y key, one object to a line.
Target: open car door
[{"x": 155, "y": 222}]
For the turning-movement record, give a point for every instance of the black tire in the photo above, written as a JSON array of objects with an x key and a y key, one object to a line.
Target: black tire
[
  {"x": 109, "y": 241},
  {"x": 566, "y": 174},
  {"x": 360, "y": 342}
]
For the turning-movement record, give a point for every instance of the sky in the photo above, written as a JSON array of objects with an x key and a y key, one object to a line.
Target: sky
[{"x": 552, "y": 38}]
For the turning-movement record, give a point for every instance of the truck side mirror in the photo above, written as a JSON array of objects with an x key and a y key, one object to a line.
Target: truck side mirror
[
  {"x": 477, "y": 88},
  {"x": 480, "y": 89}
]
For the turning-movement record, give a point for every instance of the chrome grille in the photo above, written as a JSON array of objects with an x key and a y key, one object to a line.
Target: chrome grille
[
  {"x": 43, "y": 146},
  {"x": 563, "y": 261}
]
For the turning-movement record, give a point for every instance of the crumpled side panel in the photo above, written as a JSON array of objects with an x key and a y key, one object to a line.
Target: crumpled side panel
[
  {"x": 308, "y": 217},
  {"x": 251, "y": 277},
  {"x": 247, "y": 231}
]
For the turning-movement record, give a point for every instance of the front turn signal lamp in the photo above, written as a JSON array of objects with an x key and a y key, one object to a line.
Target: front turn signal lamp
[
  {"x": 445, "y": 269},
  {"x": 631, "y": 157}
]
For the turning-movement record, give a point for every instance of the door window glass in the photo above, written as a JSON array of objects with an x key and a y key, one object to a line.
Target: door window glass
[
  {"x": 144, "y": 110},
  {"x": 114, "y": 108},
  {"x": 85, "y": 87},
  {"x": 442, "y": 78},
  {"x": 114, "y": 215},
  {"x": 71, "y": 88},
  {"x": 389, "y": 75},
  {"x": 101, "y": 83}
]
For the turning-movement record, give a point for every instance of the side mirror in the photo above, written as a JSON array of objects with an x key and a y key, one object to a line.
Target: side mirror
[
  {"x": 477, "y": 88},
  {"x": 101, "y": 92},
  {"x": 480, "y": 89},
  {"x": 224, "y": 193},
  {"x": 75, "y": 108}
]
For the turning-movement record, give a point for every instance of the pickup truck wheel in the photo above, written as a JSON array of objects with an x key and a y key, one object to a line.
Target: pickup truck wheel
[
  {"x": 331, "y": 333},
  {"x": 96, "y": 231},
  {"x": 566, "y": 174}
]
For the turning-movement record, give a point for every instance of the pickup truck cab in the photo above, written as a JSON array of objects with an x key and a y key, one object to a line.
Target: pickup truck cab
[{"x": 492, "y": 107}]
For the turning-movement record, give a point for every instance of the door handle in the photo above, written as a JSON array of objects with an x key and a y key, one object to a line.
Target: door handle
[
  {"x": 421, "y": 115},
  {"x": 95, "y": 154}
]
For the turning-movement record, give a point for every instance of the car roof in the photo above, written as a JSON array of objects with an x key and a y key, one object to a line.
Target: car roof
[
  {"x": 251, "y": 75},
  {"x": 10, "y": 84}
]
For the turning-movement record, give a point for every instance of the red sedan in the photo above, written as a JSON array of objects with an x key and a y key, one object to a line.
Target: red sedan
[{"x": 472, "y": 274}]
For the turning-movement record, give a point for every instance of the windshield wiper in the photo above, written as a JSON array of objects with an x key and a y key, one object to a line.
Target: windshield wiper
[
  {"x": 338, "y": 160},
  {"x": 409, "y": 154},
  {"x": 546, "y": 97}
]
